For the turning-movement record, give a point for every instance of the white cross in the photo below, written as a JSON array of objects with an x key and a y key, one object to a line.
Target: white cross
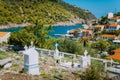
[{"x": 56, "y": 45}]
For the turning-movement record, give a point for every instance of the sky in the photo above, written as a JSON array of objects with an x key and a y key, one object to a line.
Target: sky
[{"x": 97, "y": 7}]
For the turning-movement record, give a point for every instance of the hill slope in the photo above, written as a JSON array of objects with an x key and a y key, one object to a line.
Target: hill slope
[
  {"x": 47, "y": 11},
  {"x": 81, "y": 13}
]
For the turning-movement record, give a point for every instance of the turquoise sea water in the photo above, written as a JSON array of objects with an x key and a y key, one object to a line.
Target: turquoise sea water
[
  {"x": 56, "y": 30},
  {"x": 63, "y": 29},
  {"x": 15, "y": 29},
  {"x": 97, "y": 7}
]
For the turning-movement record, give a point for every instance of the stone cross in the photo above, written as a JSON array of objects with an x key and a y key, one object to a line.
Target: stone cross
[
  {"x": 56, "y": 45},
  {"x": 105, "y": 65},
  {"x": 85, "y": 53},
  {"x": 31, "y": 43},
  {"x": 111, "y": 61},
  {"x": 25, "y": 47},
  {"x": 85, "y": 60}
]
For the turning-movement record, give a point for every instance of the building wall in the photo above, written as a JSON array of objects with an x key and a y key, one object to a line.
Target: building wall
[
  {"x": 118, "y": 27},
  {"x": 4, "y": 38},
  {"x": 106, "y": 38},
  {"x": 110, "y": 15},
  {"x": 118, "y": 20},
  {"x": 111, "y": 29}
]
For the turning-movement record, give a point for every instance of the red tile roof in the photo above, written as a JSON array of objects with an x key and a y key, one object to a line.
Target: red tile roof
[
  {"x": 113, "y": 25},
  {"x": 115, "y": 56},
  {"x": 118, "y": 17},
  {"x": 109, "y": 35},
  {"x": 2, "y": 34},
  {"x": 88, "y": 31},
  {"x": 117, "y": 50}
]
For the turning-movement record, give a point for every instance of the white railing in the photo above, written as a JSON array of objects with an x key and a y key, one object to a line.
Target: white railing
[
  {"x": 51, "y": 52},
  {"x": 112, "y": 69}
]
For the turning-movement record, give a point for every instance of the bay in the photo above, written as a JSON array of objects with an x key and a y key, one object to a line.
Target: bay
[
  {"x": 55, "y": 29},
  {"x": 13, "y": 29},
  {"x": 63, "y": 29}
]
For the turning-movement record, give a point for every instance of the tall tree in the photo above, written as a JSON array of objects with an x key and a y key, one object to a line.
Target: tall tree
[
  {"x": 104, "y": 20},
  {"x": 39, "y": 34},
  {"x": 84, "y": 40},
  {"x": 21, "y": 38},
  {"x": 68, "y": 45}
]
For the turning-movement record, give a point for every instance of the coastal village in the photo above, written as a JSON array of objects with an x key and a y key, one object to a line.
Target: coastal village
[
  {"x": 55, "y": 40},
  {"x": 106, "y": 31},
  {"x": 43, "y": 64}
]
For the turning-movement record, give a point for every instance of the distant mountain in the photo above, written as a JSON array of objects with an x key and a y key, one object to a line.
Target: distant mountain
[{"x": 46, "y": 11}]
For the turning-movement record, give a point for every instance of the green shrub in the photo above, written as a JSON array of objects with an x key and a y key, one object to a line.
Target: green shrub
[{"x": 43, "y": 74}]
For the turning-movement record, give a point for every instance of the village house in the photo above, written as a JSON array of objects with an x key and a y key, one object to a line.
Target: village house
[
  {"x": 117, "y": 18},
  {"x": 4, "y": 36},
  {"x": 101, "y": 27},
  {"x": 108, "y": 36},
  {"x": 80, "y": 33},
  {"x": 86, "y": 33},
  {"x": 116, "y": 50},
  {"x": 117, "y": 40},
  {"x": 110, "y": 15},
  {"x": 112, "y": 27}
]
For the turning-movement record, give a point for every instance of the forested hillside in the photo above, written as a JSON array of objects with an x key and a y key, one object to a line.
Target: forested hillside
[{"x": 46, "y": 11}]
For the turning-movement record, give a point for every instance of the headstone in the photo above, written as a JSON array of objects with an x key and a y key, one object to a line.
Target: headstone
[
  {"x": 56, "y": 54},
  {"x": 105, "y": 65},
  {"x": 31, "y": 61},
  {"x": 111, "y": 61},
  {"x": 31, "y": 43},
  {"x": 85, "y": 53},
  {"x": 49, "y": 53},
  {"x": 85, "y": 60},
  {"x": 25, "y": 47}
]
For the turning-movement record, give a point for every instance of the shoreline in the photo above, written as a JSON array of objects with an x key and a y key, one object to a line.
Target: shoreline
[
  {"x": 66, "y": 23},
  {"x": 13, "y": 25},
  {"x": 69, "y": 23}
]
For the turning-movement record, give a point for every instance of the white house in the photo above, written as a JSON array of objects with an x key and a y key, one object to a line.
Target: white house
[
  {"x": 4, "y": 36},
  {"x": 113, "y": 27},
  {"x": 110, "y": 15},
  {"x": 117, "y": 41},
  {"x": 117, "y": 18},
  {"x": 80, "y": 33},
  {"x": 108, "y": 36}
]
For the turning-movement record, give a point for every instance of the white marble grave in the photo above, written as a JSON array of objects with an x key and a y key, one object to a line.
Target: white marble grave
[
  {"x": 85, "y": 60},
  {"x": 31, "y": 61},
  {"x": 57, "y": 55}
]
